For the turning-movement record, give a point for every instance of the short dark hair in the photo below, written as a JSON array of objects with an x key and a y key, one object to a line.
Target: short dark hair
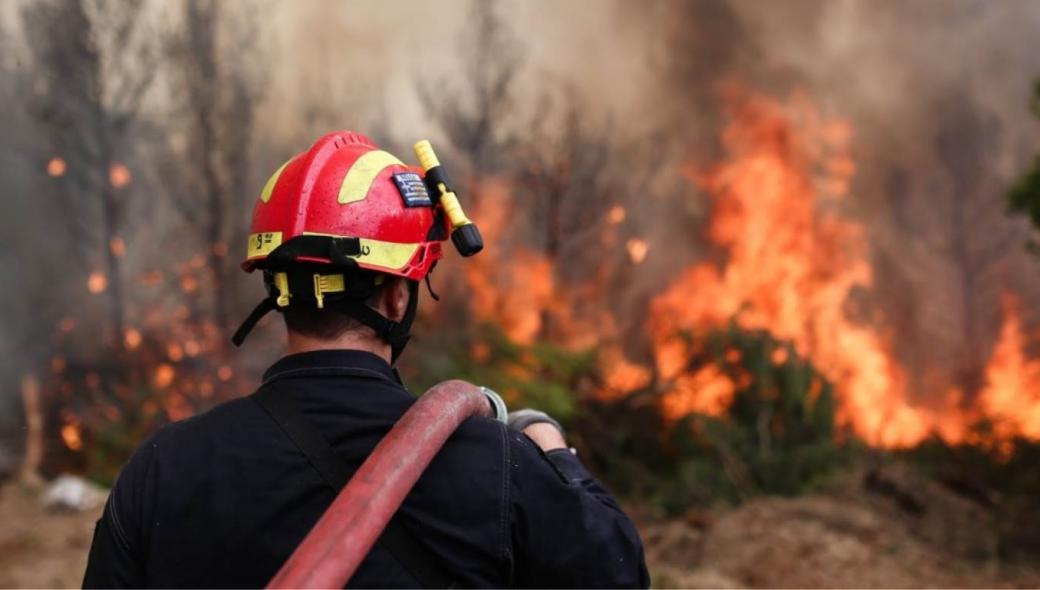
[{"x": 327, "y": 323}]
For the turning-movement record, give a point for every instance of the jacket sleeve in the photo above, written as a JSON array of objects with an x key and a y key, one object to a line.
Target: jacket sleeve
[
  {"x": 568, "y": 531},
  {"x": 116, "y": 557}
]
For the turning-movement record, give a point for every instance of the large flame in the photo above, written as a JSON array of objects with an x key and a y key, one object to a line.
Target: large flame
[
  {"x": 1011, "y": 397},
  {"x": 791, "y": 262}
]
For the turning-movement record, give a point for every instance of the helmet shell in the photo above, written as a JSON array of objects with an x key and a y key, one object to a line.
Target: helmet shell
[{"x": 344, "y": 186}]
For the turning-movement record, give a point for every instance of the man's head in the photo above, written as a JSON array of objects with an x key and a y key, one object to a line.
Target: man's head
[
  {"x": 312, "y": 328},
  {"x": 343, "y": 232}
]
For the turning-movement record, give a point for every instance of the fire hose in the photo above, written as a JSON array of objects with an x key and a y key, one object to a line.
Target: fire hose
[{"x": 332, "y": 551}]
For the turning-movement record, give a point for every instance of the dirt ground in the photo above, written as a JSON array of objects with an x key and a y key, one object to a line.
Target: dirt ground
[
  {"x": 839, "y": 540},
  {"x": 41, "y": 548}
]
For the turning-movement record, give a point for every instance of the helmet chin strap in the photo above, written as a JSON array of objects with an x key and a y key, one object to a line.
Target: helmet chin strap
[{"x": 396, "y": 334}]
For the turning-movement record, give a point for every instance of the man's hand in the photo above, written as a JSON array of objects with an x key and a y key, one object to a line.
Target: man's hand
[
  {"x": 540, "y": 427},
  {"x": 545, "y": 436}
]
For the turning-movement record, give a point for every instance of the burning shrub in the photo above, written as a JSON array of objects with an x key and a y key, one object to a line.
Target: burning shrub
[{"x": 758, "y": 420}]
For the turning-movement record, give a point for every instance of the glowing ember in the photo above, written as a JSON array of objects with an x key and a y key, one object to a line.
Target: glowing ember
[
  {"x": 164, "y": 375},
  {"x": 132, "y": 338},
  {"x": 189, "y": 284},
  {"x": 637, "y": 249},
  {"x": 97, "y": 283},
  {"x": 175, "y": 352},
  {"x": 192, "y": 348},
  {"x": 56, "y": 167},
  {"x": 119, "y": 175},
  {"x": 117, "y": 246},
  {"x": 224, "y": 373},
  {"x": 616, "y": 214},
  {"x": 71, "y": 433}
]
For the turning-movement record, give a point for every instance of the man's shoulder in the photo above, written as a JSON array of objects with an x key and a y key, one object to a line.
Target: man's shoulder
[{"x": 224, "y": 418}]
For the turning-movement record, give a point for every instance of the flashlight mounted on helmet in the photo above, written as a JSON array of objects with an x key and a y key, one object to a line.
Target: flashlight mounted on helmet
[{"x": 464, "y": 233}]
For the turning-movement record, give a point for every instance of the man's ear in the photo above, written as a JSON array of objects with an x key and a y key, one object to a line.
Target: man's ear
[{"x": 395, "y": 299}]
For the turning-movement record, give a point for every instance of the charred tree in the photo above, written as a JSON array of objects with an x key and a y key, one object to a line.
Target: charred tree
[{"x": 95, "y": 64}]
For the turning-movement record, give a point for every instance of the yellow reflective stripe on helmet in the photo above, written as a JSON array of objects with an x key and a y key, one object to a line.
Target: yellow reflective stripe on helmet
[
  {"x": 265, "y": 195},
  {"x": 361, "y": 175},
  {"x": 388, "y": 255},
  {"x": 263, "y": 243},
  {"x": 391, "y": 255}
]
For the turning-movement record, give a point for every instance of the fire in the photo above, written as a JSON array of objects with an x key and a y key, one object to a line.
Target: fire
[
  {"x": 175, "y": 352},
  {"x": 707, "y": 391},
  {"x": 637, "y": 250},
  {"x": 189, "y": 284},
  {"x": 616, "y": 214},
  {"x": 791, "y": 263},
  {"x": 132, "y": 338},
  {"x": 622, "y": 375},
  {"x": 119, "y": 175},
  {"x": 224, "y": 373},
  {"x": 164, "y": 375},
  {"x": 56, "y": 167},
  {"x": 1011, "y": 396},
  {"x": 97, "y": 283},
  {"x": 71, "y": 432},
  {"x": 515, "y": 295}
]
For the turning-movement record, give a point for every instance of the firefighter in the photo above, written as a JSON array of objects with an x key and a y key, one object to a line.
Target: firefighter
[{"x": 343, "y": 234}]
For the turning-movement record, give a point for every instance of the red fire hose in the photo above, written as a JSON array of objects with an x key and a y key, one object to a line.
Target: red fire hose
[{"x": 343, "y": 536}]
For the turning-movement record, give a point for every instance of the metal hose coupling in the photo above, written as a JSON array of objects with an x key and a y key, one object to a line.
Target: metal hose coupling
[{"x": 499, "y": 405}]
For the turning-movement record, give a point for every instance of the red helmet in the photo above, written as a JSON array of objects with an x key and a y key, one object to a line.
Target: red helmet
[
  {"x": 346, "y": 187},
  {"x": 332, "y": 221}
]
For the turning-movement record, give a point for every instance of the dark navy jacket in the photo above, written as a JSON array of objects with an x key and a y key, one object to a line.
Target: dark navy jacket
[{"x": 222, "y": 499}]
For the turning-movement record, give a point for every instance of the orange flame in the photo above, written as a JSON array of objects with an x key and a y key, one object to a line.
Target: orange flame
[
  {"x": 637, "y": 250},
  {"x": 56, "y": 167},
  {"x": 132, "y": 338},
  {"x": 164, "y": 375},
  {"x": 119, "y": 175},
  {"x": 97, "y": 283},
  {"x": 71, "y": 433},
  {"x": 791, "y": 265},
  {"x": 1011, "y": 396}
]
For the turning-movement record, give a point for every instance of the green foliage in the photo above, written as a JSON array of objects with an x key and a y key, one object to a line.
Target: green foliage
[
  {"x": 1024, "y": 196},
  {"x": 541, "y": 376}
]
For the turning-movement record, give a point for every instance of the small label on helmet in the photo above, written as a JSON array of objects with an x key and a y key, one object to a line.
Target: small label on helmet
[
  {"x": 264, "y": 243},
  {"x": 413, "y": 189}
]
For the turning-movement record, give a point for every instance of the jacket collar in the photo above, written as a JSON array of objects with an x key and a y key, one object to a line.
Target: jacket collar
[{"x": 330, "y": 362}]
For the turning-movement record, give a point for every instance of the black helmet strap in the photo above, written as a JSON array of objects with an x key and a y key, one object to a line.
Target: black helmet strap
[{"x": 395, "y": 333}]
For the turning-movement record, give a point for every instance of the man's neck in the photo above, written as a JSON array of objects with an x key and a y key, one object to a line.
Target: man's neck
[{"x": 298, "y": 343}]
